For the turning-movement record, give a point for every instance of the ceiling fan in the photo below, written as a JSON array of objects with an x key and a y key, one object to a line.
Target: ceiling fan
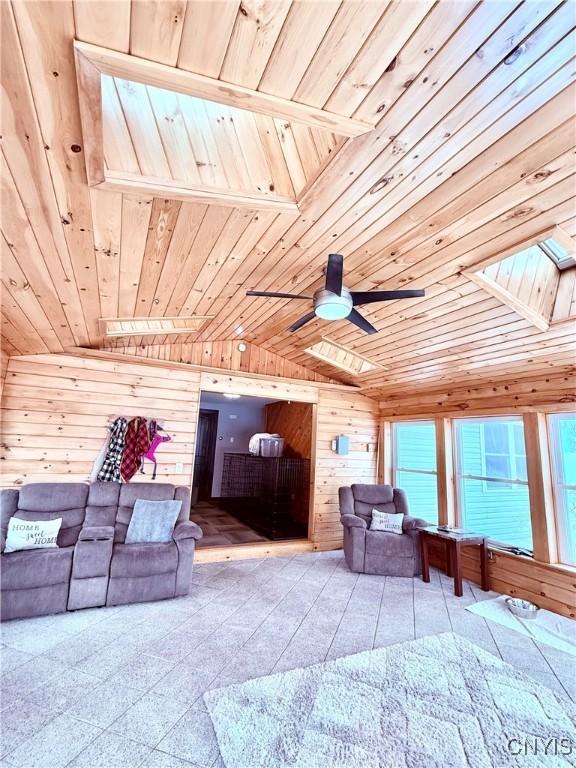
[{"x": 335, "y": 302}]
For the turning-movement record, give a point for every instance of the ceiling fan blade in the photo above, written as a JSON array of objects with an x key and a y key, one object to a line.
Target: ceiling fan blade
[
  {"x": 273, "y": 295},
  {"x": 334, "y": 272},
  {"x": 356, "y": 318},
  {"x": 303, "y": 320},
  {"x": 369, "y": 297}
]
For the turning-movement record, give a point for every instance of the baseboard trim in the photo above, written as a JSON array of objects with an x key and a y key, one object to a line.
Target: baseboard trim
[{"x": 250, "y": 551}]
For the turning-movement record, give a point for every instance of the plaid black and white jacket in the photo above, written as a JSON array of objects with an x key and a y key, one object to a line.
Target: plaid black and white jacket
[{"x": 110, "y": 471}]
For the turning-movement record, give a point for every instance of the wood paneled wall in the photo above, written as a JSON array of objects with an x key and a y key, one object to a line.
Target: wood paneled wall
[
  {"x": 549, "y": 586},
  {"x": 294, "y": 422},
  {"x": 357, "y": 417},
  {"x": 531, "y": 390},
  {"x": 56, "y": 408},
  {"x": 225, "y": 354},
  {"x": 565, "y": 304}
]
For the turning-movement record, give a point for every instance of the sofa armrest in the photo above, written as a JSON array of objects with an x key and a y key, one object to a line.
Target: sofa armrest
[
  {"x": 411, "y": 523},
  {"x": 353, "y": 521},
  {"x": 187, "y": 530},
  {"x": 96, "y": 533}
]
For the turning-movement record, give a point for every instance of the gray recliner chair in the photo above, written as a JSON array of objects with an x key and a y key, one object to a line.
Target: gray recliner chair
[{"x": 379, "y": 552}]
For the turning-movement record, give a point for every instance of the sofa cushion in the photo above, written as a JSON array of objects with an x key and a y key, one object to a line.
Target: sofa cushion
[
  {"x": 384, "y": 498},
  {"x": 8, "y": 505},
  {"x": 36, "y": 568},
  {"x": 47, "y": 501},
  {"x": 52, "y": 497},
  {"x": 102, "y": 504},
  {"x": 104, "y": 494},
  {"x": 372, "y": 494},
  {"x": 129, "y": 493},
  {"x": 133, "y": 560},
  {"x": 364, "y": 510},
  {"x": 379, "y": 542},
  {"x": 72, "y": 521},
  {"x": 152, "y": 521}
]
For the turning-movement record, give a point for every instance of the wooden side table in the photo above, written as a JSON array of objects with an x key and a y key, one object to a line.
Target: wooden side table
[{"x": 454, "y": 542}]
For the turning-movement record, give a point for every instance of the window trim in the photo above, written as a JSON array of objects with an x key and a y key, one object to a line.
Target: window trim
[{"x": 559, "y": 526}]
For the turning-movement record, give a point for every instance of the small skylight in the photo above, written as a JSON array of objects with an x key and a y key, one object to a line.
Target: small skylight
[
  {"x": 341, "y": 357},
  {"x": 152, "y": 326},
  {"x": 558, "y": 253}
]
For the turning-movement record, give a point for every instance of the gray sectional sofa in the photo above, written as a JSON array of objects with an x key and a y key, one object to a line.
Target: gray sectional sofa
[{"x": 92, "y": 565}]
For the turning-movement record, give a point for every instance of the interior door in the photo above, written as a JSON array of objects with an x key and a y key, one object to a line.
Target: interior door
[{"x": 205, "y": 449}]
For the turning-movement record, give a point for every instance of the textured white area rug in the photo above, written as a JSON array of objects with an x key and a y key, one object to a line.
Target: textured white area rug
[
  {"x": 438, "y": 702},
  {"x": 547, "y": 627}
]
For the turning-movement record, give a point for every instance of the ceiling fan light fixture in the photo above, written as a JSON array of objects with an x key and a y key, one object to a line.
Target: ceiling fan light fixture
[{"x": 330, "y": 306}]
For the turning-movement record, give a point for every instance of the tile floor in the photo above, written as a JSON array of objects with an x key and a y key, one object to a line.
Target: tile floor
[
  {"x": 122, "y": 687},
  {"x": 220, "y": 528}
]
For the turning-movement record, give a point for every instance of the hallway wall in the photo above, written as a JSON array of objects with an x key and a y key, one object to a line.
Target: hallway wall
[{"x": 237, "y": 423}]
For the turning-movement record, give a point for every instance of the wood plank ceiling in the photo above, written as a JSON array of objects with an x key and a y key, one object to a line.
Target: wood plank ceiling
[
  {"x": 157, "y": 133},
  {"x": 473, "y": 152}
]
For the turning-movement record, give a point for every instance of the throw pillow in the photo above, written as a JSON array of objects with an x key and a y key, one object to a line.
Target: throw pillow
[
  {"x": 152, "y": 521},
  {"x": 384, "y": 521},
  {"x": 31, "y": 534}
]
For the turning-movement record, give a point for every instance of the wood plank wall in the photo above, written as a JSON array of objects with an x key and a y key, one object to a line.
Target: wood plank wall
[
  {"x": 554, "y": 389},
  {"x": 357, "y": 417},
  {"x": 225, "y": 354},
  {"x": 294, "y": 422},
  {"x": 56, "y": 407},
  {"x": 549, "y": 585}
]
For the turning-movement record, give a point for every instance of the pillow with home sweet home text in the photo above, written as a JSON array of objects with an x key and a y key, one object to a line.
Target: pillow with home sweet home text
[
  {"x": 31, "y": 534},
  {"x": 385, "y": 521}
]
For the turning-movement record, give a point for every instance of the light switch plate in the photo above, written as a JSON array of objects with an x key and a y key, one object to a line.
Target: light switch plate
[{"x": 179, "y": 468}]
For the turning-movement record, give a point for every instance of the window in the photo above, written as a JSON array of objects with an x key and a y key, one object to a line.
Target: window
[
  {"x": 414, "y": 466},
  {"x": 492, "y": 479},
  {"x": 503, "y": 452},
  {"x": 563, "y": 444},
  {"x": 558, "y": 253}
]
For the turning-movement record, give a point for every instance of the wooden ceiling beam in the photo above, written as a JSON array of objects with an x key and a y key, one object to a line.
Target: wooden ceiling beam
[
  {"x": 159, "y": 75},
  {"x": 135, "y": 183}
]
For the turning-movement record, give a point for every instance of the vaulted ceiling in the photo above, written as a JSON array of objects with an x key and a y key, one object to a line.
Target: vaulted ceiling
[{"x": 472, "y": 153}]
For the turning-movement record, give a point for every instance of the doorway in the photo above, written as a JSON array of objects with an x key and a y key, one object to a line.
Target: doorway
[
  {"x": 205, "y": 452},
  {"x": 242, "y": 492}
]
